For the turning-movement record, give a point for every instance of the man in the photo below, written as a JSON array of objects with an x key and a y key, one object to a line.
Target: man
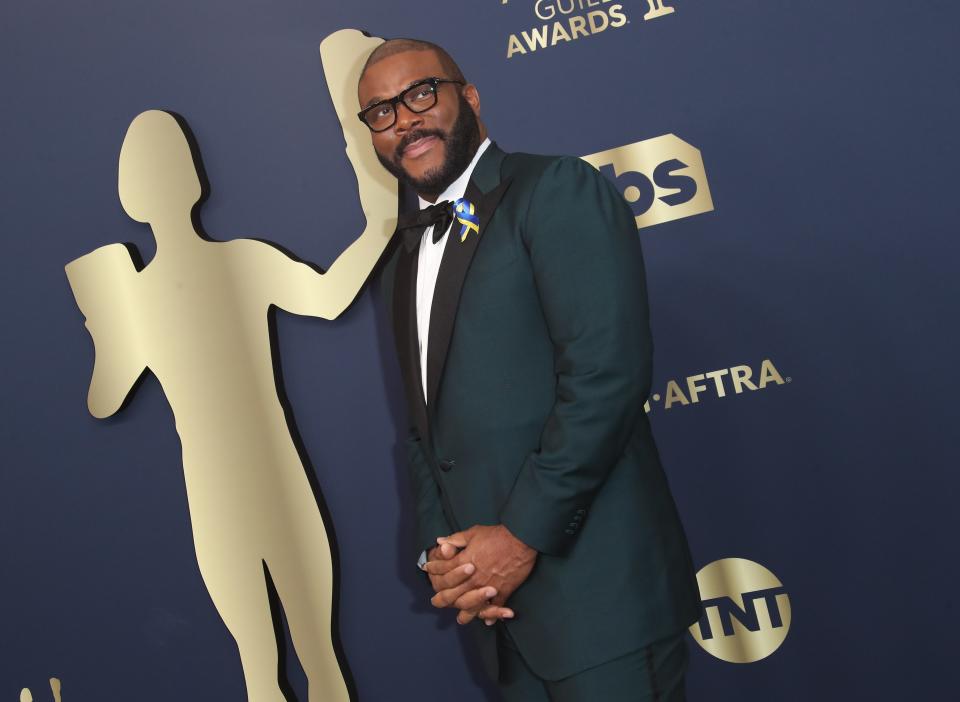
[{"x": 520, "y": 316}]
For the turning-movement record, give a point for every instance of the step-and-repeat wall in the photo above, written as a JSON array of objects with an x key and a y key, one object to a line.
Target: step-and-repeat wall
[{"x": 791, "y": 166}]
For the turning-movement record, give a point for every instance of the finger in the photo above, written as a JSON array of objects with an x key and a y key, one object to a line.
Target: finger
[
  {"x": 492, "y": 613},
  {"x": 454, "y": 578},
  {"x": 474, "y": 600},
  {"x": 458, "y": 539},
  {"x": 457, "y": 577},
  {"x": 446, "y": 597},
  {"x": 443, "y": 552},
  {"x": 464, "y": 617},
  {"x": 501, "y": 598},
  {"x": 439, "y": 552},
  {"x": 447, "y": 551},
  {"x": 448, "y": 567}
]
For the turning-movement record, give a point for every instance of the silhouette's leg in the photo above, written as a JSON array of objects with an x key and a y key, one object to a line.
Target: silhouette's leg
[
  {"x": 304, "y": 582},
  {"x": 240, "y": 596}
]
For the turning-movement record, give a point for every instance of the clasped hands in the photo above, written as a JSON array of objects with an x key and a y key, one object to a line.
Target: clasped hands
[{"x": 477, "y": 570}]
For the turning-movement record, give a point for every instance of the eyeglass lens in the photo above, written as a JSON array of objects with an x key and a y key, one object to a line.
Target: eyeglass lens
[{"x": 418, "y": 98}]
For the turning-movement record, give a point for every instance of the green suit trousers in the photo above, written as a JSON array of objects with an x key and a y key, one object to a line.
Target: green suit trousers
[{"x": 654, "y": 673}]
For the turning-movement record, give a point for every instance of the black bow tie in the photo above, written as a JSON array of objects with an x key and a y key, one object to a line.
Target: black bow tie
[{"x": 414, "y": 224}]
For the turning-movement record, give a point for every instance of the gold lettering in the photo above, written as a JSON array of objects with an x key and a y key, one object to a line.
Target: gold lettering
[
  {"x": 741, "y": 378},
  {"x": 559, "y": 33},
  {"x": 514, "y": 47},
  {"x": 537, "y": 6},
  {"x": 597, "y": 15},
  {"x": 693, "y": 388},
  {"x": 568, "y": 10},
  {"x": 618, "y": 19},
  {"x": 716, "y": 376},
  {"x": 537, "y": 39},
  {"x": 675, "y": 394},
  {"x": 768, "y": 372},
  {"x": 578, "y": 26}
]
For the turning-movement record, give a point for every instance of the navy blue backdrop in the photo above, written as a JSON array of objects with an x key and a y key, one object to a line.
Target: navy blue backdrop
[{"x": 830, "y": 140}]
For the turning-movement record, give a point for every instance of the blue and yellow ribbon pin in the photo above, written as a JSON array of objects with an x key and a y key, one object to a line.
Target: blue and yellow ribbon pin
[{"x": 465, "y": 213}]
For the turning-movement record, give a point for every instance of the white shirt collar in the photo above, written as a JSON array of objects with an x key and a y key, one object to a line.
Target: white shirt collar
[{"x": 458, "y": 188}]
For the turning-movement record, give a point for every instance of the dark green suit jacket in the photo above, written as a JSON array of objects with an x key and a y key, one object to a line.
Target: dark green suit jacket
[{"x": 539, "y": 361}]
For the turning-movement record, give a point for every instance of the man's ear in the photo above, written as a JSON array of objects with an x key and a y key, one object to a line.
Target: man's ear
[{"x": 472, "y": 96}]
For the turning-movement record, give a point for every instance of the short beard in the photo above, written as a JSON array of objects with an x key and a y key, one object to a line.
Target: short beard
[{"x": 461, "y": 144}]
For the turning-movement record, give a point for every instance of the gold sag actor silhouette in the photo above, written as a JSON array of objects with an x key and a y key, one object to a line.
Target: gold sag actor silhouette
[{"x": 197, "y": 317}]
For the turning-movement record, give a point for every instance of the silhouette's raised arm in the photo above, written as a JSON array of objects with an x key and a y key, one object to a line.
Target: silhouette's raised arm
[
  {"x": 298, "y": 287},
  {"x": 348, "y": 273}
]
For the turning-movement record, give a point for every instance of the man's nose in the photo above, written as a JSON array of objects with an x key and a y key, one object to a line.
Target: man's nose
[{"x": 406, "y": 118}]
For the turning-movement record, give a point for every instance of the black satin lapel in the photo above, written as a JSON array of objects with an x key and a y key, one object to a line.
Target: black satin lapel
[
  {"x": 453, "y": 271},
  {"x": 405, "y": 333}
]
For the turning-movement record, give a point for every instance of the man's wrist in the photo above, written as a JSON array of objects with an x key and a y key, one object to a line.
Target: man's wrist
[{"x": 519, "y": 541}]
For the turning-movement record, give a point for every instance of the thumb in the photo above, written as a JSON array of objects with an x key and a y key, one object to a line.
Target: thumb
[
  {"x": 458, "y": 540},
  {"x": 446, "y": 551}
]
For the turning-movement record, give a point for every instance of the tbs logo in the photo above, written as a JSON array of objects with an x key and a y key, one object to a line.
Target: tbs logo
[{"x": 663, "y": 178}]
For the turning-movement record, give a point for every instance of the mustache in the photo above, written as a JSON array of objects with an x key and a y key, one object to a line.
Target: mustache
[{"x": 411, "y": 137}]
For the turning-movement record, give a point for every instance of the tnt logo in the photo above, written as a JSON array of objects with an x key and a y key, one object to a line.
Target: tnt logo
[
  {"x": 663, "y": 178},
  {"x": 746, "y": 611}
]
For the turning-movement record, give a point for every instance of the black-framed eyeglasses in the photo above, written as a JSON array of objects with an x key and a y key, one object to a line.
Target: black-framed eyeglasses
[{"x": 419, "y": 97}]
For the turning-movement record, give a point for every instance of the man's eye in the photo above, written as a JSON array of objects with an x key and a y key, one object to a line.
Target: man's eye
[
  {"x": 382, "y": 111},
  {"x": 423, "y": 93}
]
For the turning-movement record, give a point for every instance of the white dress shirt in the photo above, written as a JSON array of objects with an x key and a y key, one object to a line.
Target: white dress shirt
[{"x": 428, "y": 261}]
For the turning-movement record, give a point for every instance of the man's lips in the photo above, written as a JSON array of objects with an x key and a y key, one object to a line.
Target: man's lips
[{"x": 420, "y": 146}]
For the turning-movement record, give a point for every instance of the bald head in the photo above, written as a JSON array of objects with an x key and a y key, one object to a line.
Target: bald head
[{"x": 398, "y": 46}]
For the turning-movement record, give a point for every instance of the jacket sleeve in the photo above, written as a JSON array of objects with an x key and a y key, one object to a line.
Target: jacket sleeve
[
  {"x": 585, "y": 253},
  {"x": 431, "y": 521}
]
